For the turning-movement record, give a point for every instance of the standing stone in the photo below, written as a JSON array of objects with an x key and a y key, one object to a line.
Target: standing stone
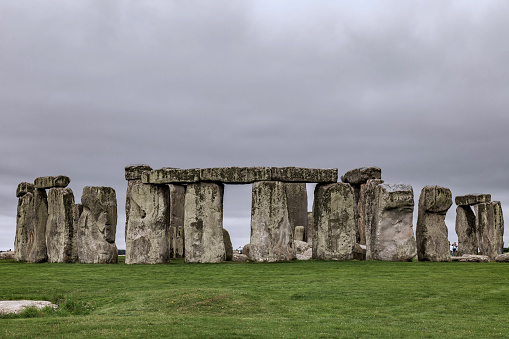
[
  {"x": 297, "y": 197},
  {"x": 299, "y": 233},
  {"x": 203, "y": 223},
  {"x": 485, "y": 228},
  {"x": 177, "y": 208},
  {"x": 394, "y": 236},
  {"x": 146, "y": 234},
  {"x": 60, "y": 227},
  {"x": 133, "y": 176},
  {"x": 37, "y": 251},
  {"x": 465, "y": 229},
  {"x": 227, "y": 245},
  {"x": 97, "y": 226},
  {"x": 498, "y": 239},
  {"x": 24, "y": 221},
  {"x": 308, "y": 233},
  {"x": 367, "y": 211},
  {"x": 271, "y": 232},
  {"x": 431, "y": 230},
  {"x": 334, "y": 234}
]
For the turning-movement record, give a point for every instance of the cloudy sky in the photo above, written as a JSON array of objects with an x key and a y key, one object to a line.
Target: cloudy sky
[{"x": 418, "y": 88}]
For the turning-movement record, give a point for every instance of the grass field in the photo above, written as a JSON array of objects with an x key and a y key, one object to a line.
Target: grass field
[{"x": 301, "y": 299}]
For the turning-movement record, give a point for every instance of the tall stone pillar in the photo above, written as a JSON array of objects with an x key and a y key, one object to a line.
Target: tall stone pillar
[
  {"x": 24, "y": 220},
  {"x": 465, "y": 230},
  {"x": 97, "y": 226},
  {"x": 475, "y": 228},
  {"x": 367, "y": 210},
  {"x": 334, "y": 222},
  {"x": 133, "y": 176},
  {"x": 485, "y": 228},
  {"x": 297, "y": 197},
  {"x": 271, "y": 230},
  {"x": 203, "y": 223},
  {"x": 177, "y": 208},
  {"x": 61, "y": 230},
  {"x": 498, "y": 241},
  {"x": 431, "y": 231}
]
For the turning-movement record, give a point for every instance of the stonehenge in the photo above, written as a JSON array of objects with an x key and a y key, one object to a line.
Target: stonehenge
[{"x": 176, "y": 213}]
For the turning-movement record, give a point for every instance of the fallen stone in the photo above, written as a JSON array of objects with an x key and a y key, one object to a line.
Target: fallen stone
[
  {"x": 239, "y": 257},
  {"x": 236, "y": 175},
  {"x": 301, "y": 246},
  {"x": 502, "y": 257},
  {"x": 431, "y": 231},
  {"x": 203, "y": 223},
  {"x": 171, "y": 176},
  {"x": 472, "y": 258},
  {"x": 134, "y": 172},
  {"x": 17, "y": 306},
  {"x": 227, "y": 245},
  {"x": 24, "y": 188},
  {"x": 359, "y": 252},
  {"x": 333, "y": 211},
  {"x": 176, "y": 231},
  {"x": 6, "y": 255},
  {"x": 271, "y": 232},
  {"x": 361, "y": 175},
  {"x": 366, "y": 210},
  {"x": 299, "y": 174},
  {"x": 299, "y": 233},
  {"x": 97, "y": 226},
  {"x": 60, "y": 226},
  {"x": 472, "y": 199},
  {"x": 307, "y": 255},
  {"x": 245, "y": 249},
  {"x": 51, "y": 182},
  {"x": 465, "y": 229},
  {"x": 146, "y": 234},
  {"x": 498, "y": 236}
]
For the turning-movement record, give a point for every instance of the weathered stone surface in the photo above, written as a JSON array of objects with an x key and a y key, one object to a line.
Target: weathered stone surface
[
  {"x": 176, "y": 231},
  {"x": 146, "y": 234},
  {"x": 361, "y": 175},
  {"x": 367, "y": 211},
  {"x": 334, "y": 234},
  {"x": 97, "y": 226},
  {"x": 297, "y": 198},
  {"x": 485, "y": 228},
  {"x": 271, "y": 231},
  {"x": 36, "y": 249},
  {"x": 394, "y": 236},
  {"x": 203, "y": 223},
  {"x": 60, "y": 227},
  {"x": 502, "y": 257},
  {"x": 24, "y": 222},
  {"x": 6, "y": 255},
  {"x": 17, "y": 306},
  {"x": 133, "y": 172},
  {"x": 465, "y": 229},
  {"x": 472, "y": 199},
  {"x": 299, "y": 174},
  {"x": 245, "y": 249},
  {"x": 171, "y": 176},
  {"x": 498, "y": 236},
  {"x": 304, "y": 250},
  {"x": 308, "y": 233},
  {"x": 227, "y": 245},
  {"x": 239, "y": 257},
  {"x": 24, "y": 188},
  {"x": 431, "y": 230},
  {"x": 53, "y": 181},
  {"x": 359, "y": 252},
  {"x": 299, "y": 233},
  {"x": 236, "y": 175},
  {"x": 471, "y": 258}
]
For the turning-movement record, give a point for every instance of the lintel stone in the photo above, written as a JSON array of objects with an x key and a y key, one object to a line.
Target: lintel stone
[
  {"x": 133, "y": 172},
  {"x": 236, "y": 175},
  {"x": 52, "y": 181},
  {"x": 300, "y": 174},
  {"x": 361, "y": 175},
  {"x": 472, "y": 199},
  {"x": 168, "y": 175},
  {"x": 24, "y": 188}
]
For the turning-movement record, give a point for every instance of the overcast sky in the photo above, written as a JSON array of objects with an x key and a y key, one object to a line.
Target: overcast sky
[{"x": 418, "y": 88}]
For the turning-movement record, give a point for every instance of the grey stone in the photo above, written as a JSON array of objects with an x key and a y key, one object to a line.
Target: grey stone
[
  {"x": 367, "y": 211},
  {"x": 236, "y": 175},
  {"x": 361, "y": 175},
  {"x": 133, "y": 172},
  {"x": 97, "y": 226},
  {"x": 307, "y": 255},
  {"x": 24, "y": 188},
  {"x": 7, "y": 255},
  {"x": 485, "y": 228},
  {"x": 299, "y": 233},
  {"x": 171, "y": 176},
  {"x": 176, "y": 231},
  {"x": 472, "y": 258},
  {"x": 431, "y": 231},
  {"x": 24, "y": 221},
  {"x": 308, "y": 233},
  {"x": 51, "y": 182},
  {"x": 465, "y": 229},
  {"x": 245, "y": 249},
  {"x": 498, "y": 236},
  {"x": 334, "y": 234},
  {"x": 239, "y": 257},
  {"x": 394, "y": 236},
  {"x": 60, "y": 227},
  {"x": 301, "y": 246},
  {"x": 203, "y": 223},
  {"x": 297, "y": 199},
  {"x": 502, "y": 257},
  {"x": 271, "y": 232},
  {"x": 146, "y": 234},
  {"x": 359, "y": 252},
  {"x": 472, "y": 199},
  {"x": 299, "y": 174},
  {"x": 227, "y": 245}
]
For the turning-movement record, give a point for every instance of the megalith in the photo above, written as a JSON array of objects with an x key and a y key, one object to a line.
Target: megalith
[
  {"x": 24, "y": 220},
  {"x": 133, "y": 176},
  {"x": 146, "y": 234},
  {"x": 271, "y": 231},
  {"x": 177, "y": 208},
  {"x": 61, "y": 230},
  {"x": 498, "y": 241},
  {"x": 203, "y": 223},
  {"x": 485, "y": 228},
  {"x": 297, "y": 197},
  {"x": 366, "y": 210},
  {"x": 299, "y": 233},
  {"x": 227, "y": 245},
  {"x": 311, "y": 228},
  {"x": 333, "y": 211},
  {"x": 465, "y": 230},
  {"x": 431, "y": 231},
  {"x": 394, "y": 236},
  {"x": 97, "y": 226}
]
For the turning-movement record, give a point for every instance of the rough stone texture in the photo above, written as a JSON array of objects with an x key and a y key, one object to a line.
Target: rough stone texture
[
  {"x": 36, "y": 249},
  {"x": 271, "y": 232},
  {"x": 502, "y": 257},
  {"x": 176, "y": 231},
  {"x": 333, "y": 210},
  {"x": 171, "y": 176},
  {"x": 366, "y": 208},
  {"x": 24, "y": 222},
  {"x": 485, "y": 228},
  {"x": 6, "y": 255},
  {"x": 299, "y": 233},
  {"x": 51, "y": 182},
  {"x": 498, "y": 234},
  {"x": 239, "y": 257},
  {"x": 394, "y": 236},
  {"x": 146, "y": 233},
  {"x": 236, "y": 175},
  {"x": 97, "y": 226},
  {"x": 304, "y": 250},
  {"x": 361, "y": 175},
  {"x": 465, "y": 229},
  {"x": 24, "y": 188},
  {"x": 431, "y": 230},
  {"x": 297, "y": 198},
  {"x": 133, "y": 172},
  {"x": 299, "y": 174},
  {"x": 60, "y": 227},
  {"x": 359, "y": 252},
  {"x": 245, "y": 249},
  {"x": 471, "y": 258},
  {"x": 308, "y": 233},
  {"x": 227, "y": 245},
  {"x": 472, "y": 199},
  {"x": 17, "y": 306},
  {"x": 203, "y": 223}
]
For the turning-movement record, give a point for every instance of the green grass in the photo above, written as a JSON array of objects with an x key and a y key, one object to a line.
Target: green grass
[{"x": 301, "y": 299}]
